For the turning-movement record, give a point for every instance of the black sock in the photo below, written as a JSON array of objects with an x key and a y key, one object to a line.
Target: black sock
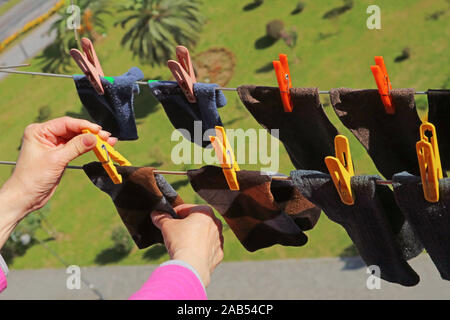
[
  {"x": 431, "y": 220},
  {"x": 368, "y": 222}
]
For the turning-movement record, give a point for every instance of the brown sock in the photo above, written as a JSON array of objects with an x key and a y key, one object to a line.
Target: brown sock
[
  {"x": 140, "y": 193},
  {"x": 291, "y": 201},
  {"x": 389, "y": 139},
  {"x": 252, "y": 212},
  {"x": 306, "y": 132},
  {"x": 439, "y": 115}
]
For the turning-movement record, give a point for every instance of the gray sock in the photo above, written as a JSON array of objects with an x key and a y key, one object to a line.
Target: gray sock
[
  {"x": 431, "y": 220},
  {"x": 374, "y": 222}
]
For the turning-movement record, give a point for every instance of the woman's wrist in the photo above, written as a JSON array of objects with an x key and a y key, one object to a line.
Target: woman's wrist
[
  {"x": 12, "y": 210},
  {"x": 197, "y": 263}
]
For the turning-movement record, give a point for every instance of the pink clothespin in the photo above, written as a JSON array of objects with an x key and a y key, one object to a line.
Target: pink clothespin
[
  {"x": 89, "y": 64},
  {"x": 183, "y": 71}
]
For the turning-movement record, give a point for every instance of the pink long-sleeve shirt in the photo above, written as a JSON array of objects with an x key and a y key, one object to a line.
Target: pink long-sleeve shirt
[
  {"x": 3, "y": 274},
  {"x": 173, "y": 280}
]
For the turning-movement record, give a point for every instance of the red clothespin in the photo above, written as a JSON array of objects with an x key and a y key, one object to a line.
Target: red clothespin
[
  {"x": 383, "y": 83},
  {"x": 284, "y": 81},
  {"x": 183, "y": 71},
  {"x": 89, "y": 64}
]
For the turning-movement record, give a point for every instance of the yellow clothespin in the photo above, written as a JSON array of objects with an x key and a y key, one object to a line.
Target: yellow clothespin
[
  {"x": 341, "y": 169},
  {"x": 429, "y": 162},
  {"x": 106, "y": 154},
  {"x": 226, "y": 157}
]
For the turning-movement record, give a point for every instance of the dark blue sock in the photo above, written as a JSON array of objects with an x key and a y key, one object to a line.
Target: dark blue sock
[
  {"x": 182, "y": 114},
  {"x": 114, "y": 110}
]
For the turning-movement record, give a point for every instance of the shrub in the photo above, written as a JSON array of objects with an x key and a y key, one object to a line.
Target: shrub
[
  {"x": 299, "y": 8},
  {"x": 45, "y": 113},
  {"x": 122, "y": 241},
  {"x": 275, "y": 29},
  {"x": 405, "y": 55},
  {"x": 348, "y": 5}
]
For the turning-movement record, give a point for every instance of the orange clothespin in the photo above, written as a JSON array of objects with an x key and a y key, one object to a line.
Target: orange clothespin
[
  {"x": 183, "y": 71},
  {"x": 429, "y": 162},
  {"x": 226, "y": 157},
  {"x": 383, "y": 83},
  {"x": 89, "y": 64},
  {"x": 284, "y": 81},
  {"x": 106, "y": 154},
  {"x": 341, "y": 169}
]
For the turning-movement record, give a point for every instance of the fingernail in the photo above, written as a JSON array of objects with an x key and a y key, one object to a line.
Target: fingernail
[
  {"x": 114, "y": 140},
  {"x": 89, "y": 140}
]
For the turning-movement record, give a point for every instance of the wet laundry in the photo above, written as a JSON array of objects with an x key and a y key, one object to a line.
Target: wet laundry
[
  {"x": 381, "y": 234},
  {"x": 114, "y": 110}
]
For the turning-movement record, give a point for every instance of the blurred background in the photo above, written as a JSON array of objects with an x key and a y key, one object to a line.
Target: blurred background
[{"x": 232, "y": 42}]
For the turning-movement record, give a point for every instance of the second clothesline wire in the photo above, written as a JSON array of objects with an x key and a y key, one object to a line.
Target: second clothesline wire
[
  {"x": 66, "y": 76},
  {"x": 184, "y": 173}
]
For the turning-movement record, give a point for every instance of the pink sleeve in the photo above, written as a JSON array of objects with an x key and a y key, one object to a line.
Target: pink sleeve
[
  {"x": 171, "y": 282},
  {"x": 3, "y": 282}
]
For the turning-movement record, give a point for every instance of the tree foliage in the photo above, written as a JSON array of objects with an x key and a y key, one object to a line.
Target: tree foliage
[{"x": 158, "y": 26}]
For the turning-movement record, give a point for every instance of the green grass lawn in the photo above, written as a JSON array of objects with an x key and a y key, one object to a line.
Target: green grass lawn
[{"x": 85, "y": 216}]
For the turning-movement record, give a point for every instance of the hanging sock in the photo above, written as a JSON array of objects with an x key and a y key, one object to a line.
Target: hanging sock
[
  {"x": 290, "y": 200},
  {"x": 182, "y": 113},
  {"x": 140, "y": 193},
  {"x": 374, "y": 223},
  {"x": 306, "y": 132},
  {"x": 114, "y": 110},
  {"x": 431, "y": 220},
  {"x": 253, "y": 213},
  {"x": 439, "y": 115},
  {"x": 390, "y": 139}
]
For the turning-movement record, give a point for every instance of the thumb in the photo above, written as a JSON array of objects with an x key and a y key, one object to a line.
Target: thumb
[
  {"x": 77, "y": 146},
  {"x": 160, "y": 218}
]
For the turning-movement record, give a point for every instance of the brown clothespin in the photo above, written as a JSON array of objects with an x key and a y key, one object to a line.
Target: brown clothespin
[
  {"x": 89, "y": 64},
  {"x": 183, "y": 71}
]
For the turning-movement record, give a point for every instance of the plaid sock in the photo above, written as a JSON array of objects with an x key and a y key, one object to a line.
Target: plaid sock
[
  {"x": 374, "y": 222},
  {"x": 140, "y": 193},
  {"x": 291, "y": 201},
  {"x": 114, "y": 110},
  {"x": 253, "y": 213},
  {"x": 306, "y": 132},
  {"x": 390, "y": 139},
  {"x": 439, "y": 115},
  {"x": 183, "y": 114},
  {"x": 431, "y": 220}
]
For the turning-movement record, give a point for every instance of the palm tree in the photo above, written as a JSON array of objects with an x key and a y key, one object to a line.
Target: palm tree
[
  {"x": 159, "y": 26},
  {"x": 56, "y": 56}
]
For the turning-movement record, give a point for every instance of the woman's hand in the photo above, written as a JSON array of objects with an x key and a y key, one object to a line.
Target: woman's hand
[
  {"x": 196, "y": 238},
  {"x": 47, "y": 149}
]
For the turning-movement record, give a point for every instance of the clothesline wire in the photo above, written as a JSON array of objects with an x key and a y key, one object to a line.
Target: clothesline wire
[
  {"x": 15, "y": 66},
  {"x": 138, "y": 82},
  {"x": 184, "y": 173}
]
